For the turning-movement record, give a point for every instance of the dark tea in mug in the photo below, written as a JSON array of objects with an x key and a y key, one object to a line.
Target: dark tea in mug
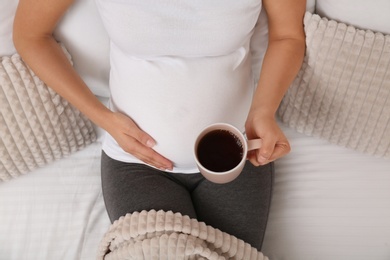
[{"x": 220, "y": 150}]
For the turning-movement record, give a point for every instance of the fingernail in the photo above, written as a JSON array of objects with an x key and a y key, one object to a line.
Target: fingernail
[
  {"x": 262, "y": 159},
  {"x": 150, "y": 143},
  {"x": 166, "y": 168}
]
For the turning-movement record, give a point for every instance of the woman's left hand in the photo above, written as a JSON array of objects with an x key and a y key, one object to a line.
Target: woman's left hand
[{"x": 275, "y": 143}]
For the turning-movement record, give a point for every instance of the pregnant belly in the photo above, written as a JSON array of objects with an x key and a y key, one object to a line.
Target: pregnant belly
[{"x": 172, "y": 99}]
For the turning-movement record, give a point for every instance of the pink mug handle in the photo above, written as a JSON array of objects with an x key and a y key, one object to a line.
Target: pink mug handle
[{"x": 254, "y": 144}]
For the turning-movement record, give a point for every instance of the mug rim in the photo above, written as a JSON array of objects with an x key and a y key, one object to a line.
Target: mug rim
[{"x": 227, "y": 127}]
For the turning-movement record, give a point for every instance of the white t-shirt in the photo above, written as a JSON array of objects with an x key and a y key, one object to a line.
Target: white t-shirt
[{"x": 177, "y": 66}]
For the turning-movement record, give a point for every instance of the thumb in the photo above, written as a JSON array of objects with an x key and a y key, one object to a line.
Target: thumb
[
  {"x": 281, "y": 148},
  {"x": 264, "y": 153}
]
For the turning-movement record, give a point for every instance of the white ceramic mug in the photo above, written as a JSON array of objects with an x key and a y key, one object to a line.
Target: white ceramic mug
[{"x": 230, "y": 174}]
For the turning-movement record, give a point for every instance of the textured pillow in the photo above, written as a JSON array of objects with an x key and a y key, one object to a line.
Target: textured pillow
[
  {"x": 37, "y": 126},
  {"x": 342, "y": 92}
]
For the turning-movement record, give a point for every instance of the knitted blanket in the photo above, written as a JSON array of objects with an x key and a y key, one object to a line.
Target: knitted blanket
[{"x": 167, "y": 235}]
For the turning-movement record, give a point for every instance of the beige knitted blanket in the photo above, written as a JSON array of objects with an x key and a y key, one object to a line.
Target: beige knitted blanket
[{"x": 172, "y": 236}]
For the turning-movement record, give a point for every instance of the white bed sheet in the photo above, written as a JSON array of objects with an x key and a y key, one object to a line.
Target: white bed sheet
[
  {"x": 329, "y": 203},
  {"x": 56, "y": 212}
]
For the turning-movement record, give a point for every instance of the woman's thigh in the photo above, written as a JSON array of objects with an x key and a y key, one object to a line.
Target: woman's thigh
[
  {"x": 131, "y": 187},
  {"x": 240, "y": 207}
]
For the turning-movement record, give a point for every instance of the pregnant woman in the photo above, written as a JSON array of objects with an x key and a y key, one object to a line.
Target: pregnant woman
[{"x": 177, "y": 66}]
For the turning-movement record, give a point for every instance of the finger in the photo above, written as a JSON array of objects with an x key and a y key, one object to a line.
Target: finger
[
  {"x": 151, "y": 157},
  {"x": 146, "y": 154},
  {"x": 253, "y": 158},
  {"x": 158, "y": 160},
  {"x": 143, "y": 137},
  {"x": 281, "y": 149},
  {"x": 266, "y": 150}
]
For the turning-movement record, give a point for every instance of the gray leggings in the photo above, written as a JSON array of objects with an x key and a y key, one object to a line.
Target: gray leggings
[{"x": 239, "y": 208}]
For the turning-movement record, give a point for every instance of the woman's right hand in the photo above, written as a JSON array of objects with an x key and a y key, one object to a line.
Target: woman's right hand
[{"x": 135, "y": 141}]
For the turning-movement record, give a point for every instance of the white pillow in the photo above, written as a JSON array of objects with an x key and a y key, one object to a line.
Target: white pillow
[
  {"x": 7, "y": 13},
  {"x": 373, "y": 15},
  {"x": 81, "y": 31},
  {"x": 37, "y": 126},
  {"x": 310, "y": 6},
  {"x": 342, "y": 92},
  {"x": 259, "y": 41}
]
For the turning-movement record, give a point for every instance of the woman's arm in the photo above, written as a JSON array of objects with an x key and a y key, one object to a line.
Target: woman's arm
[
  {"x": 33, "y": 27},
  {"x": 35, "y": 21},
  {"x": 282, "y": 62}
]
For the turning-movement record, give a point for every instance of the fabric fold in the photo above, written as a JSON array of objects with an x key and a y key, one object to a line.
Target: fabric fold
[{"x": 167, "y": 235}]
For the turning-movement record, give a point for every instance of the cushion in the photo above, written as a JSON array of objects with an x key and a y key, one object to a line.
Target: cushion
[
  {"x": 82, "y": 32},
  {"x": 342, "y": 92},
  {"x": 37, "y": 126},
  {"x": 310, "y": 5},
  {"x": 363, "y": 14},
  {"x": 8, "y": 9},
  {"x": 259, "y": 41}
]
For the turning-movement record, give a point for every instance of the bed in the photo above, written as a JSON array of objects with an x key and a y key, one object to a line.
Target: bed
[{"x": 330, "y": 201}]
